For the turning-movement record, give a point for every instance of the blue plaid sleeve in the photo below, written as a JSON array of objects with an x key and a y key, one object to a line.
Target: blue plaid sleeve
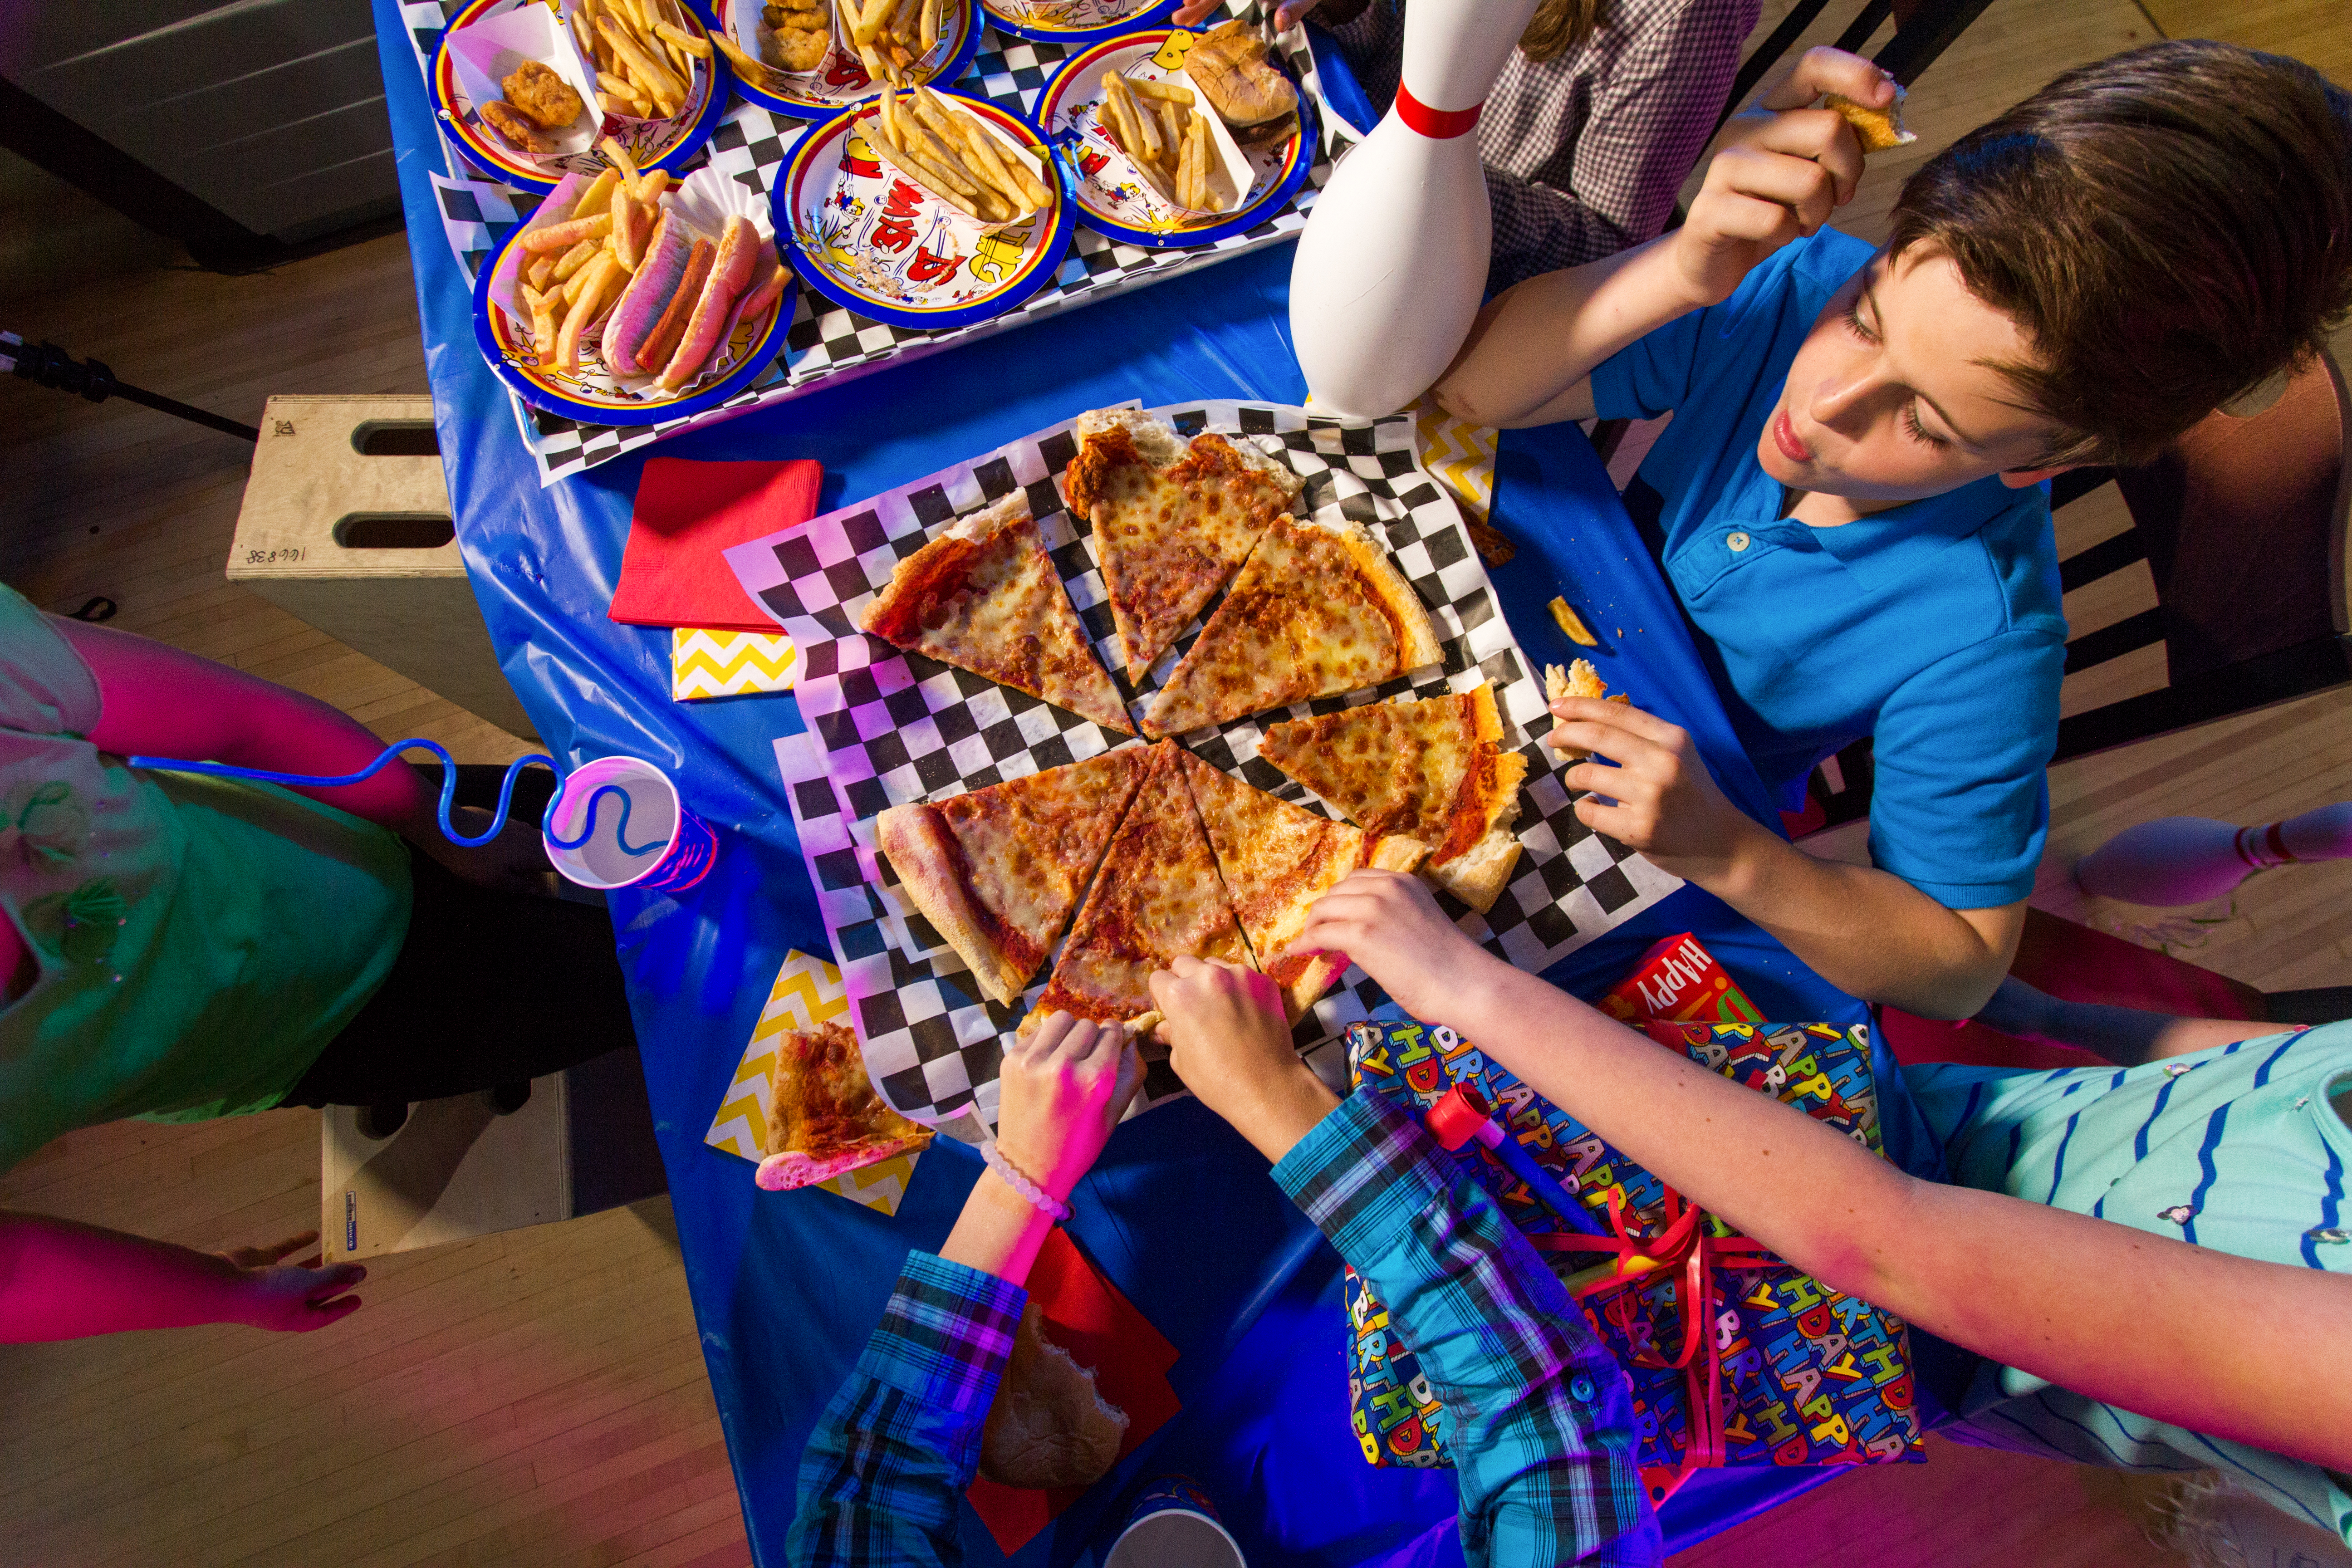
[
  {"x": 1543, "y": 1418},
  {"x": 887, "y": 1465}
]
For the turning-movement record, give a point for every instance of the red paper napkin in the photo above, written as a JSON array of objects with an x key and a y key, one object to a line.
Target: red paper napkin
[
  {"x": 671, "y": 572},
  {"x": 1086, "y": 1316}
]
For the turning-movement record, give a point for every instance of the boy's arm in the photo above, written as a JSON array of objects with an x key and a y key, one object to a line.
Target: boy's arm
[
  {"x": 1543, "y": 1446},
  {"x": 1866, "y": 931},
  {"x": 1782, "y": 169},
  {"x": 886, "y": 1471},
  {"x": 2124, "y": 1035},
  {"x": 2111, "y": 1312},
  {"x": 64, "y": 1280}
]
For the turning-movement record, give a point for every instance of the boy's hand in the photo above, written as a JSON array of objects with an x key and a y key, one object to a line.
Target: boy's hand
[
  {"x": 1666, "y": 804},
  {"x": 1228, "y": 1041},
  {"x": 1390, "y": 927},
  {"x": 1063, "y": 1090},
  {"x": 1779, "y": 169}
]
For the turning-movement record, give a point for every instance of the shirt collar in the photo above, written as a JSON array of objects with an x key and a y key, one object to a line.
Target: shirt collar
[{"x": 1886, "y": 547}]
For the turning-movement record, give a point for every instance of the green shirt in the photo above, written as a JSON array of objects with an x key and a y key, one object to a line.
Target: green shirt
[
  {"x": 2243, "y": 1147},
  {"x": 198, "y": 941}
]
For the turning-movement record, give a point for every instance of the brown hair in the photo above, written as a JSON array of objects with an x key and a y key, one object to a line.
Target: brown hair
[
  {"x": 2170, "y": 228},
  {"x": 1558, "y": 27}
]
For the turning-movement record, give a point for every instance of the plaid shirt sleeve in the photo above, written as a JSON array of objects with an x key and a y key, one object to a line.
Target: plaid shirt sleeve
[
  {"x": 1543, "y": 1417},
  {"x": 887, "y": 1467}
]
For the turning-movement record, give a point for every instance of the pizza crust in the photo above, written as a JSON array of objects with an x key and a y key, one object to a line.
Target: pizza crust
[
  {"x": 1416, "y": 634},
  {"x": 1163, "y": 446},
  {"x": 824, "y": 1115},
  {"x": 920, "y": 849}
]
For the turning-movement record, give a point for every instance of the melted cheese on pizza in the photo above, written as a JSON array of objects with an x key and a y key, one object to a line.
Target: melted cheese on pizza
[
  {"x": 1027, "y": 845},
  {"x": 1304, "y": 618},
  {"x": 1428, "y": 770},
  {"x": 1276, "y": 859},
  {"x": 1158, "y": 897},
  {"x": 821, "y": 1103},
  {"x": 1168, "y": 537},
  {"x": 985, "y": 597}
]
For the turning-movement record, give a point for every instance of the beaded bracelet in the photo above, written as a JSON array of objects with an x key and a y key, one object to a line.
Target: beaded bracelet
[{"x": 1036, "y": 1196}]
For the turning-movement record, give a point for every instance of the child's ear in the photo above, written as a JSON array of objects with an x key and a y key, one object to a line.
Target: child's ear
[{"x": 2018, "y": 479}]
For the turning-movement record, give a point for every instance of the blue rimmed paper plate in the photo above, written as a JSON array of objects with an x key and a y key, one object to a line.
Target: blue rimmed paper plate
[
  {"x": 841, "y": 79},
  {"x": 488, "y": 39},
  {"x": 589, "y": 393},
  {"x": 1075, "y": 21},
  {"x": 871, "y": 240},
  {"x": 1113, "y": 196}
]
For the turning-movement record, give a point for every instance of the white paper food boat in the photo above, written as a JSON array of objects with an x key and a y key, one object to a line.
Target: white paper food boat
[
  {"x": 1011, "y": 151},
  {"x": 1160, "y": 207}
]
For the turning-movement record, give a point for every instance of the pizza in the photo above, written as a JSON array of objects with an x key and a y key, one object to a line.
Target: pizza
[
  {"x": 1157, "y": 898},
  {"x": 1432, "y": 770},
  {"x": 998, "y": 871},
  {"x": 1172, "y": 521},
  {"x": 984, "y": 596},
  {"x": 1579, "y": 679},
  {"x": 824, "y": 1117},
  {"x": 1276, "y": 859},
  {"x": 1313, "y": 611}
]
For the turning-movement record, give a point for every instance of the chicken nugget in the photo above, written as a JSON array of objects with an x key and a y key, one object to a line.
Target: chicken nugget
[
  {"x": 546, "y": 97},
  {"x": 515, "y": 128},
  {"x": 801, "y": 48}
]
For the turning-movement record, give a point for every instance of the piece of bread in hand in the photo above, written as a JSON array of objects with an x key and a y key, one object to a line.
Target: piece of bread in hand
[
  {"x": 1048, "y": 1426},
  {"x": 1878, "y": 129},
  {"x": 1579, "y": 679}
]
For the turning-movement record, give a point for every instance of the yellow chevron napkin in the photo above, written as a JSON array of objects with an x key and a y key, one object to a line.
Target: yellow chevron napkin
[
  {"x": 728, "y": 664},
  {"x": 807, "y": 991},
  {"x": 1460, "y": 457}
]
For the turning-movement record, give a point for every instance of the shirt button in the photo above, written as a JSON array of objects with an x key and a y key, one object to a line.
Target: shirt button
[
  {"x": 1738, "y": 542},
  {"x": 1581, "y": 1387}
]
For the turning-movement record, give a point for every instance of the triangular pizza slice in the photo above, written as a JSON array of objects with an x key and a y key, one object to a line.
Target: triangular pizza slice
[
  {"x": 1172, "y": 521},
  {"x": 1157, "y": 898},
  {"x": 1432, "y": 770},
  {"x": 1313, "y": 611},
  {"x": 984, "y": 595},
  {"x": 824, "y": 1116},
  {"x": 1276, "y": 859},
  {"x": 999, "y": 870}
]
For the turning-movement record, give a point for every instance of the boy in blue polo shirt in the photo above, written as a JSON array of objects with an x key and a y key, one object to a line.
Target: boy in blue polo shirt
[{"x": 1851, "y": 503}]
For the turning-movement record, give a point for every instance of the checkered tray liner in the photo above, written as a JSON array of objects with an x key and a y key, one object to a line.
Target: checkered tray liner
[
  {"x": 885, "y": 728},
  {"x": 825, "y": 339}
]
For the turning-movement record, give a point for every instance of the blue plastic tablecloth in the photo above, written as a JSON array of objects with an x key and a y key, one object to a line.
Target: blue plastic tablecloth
[{"x": 1180, "y": 1214}]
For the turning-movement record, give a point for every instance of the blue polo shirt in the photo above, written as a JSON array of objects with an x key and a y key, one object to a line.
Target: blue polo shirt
[{"x": 1936, "y": 627}]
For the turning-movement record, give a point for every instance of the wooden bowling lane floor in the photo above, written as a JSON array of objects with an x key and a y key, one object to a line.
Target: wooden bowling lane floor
[{"x": 539, "y": 1397}]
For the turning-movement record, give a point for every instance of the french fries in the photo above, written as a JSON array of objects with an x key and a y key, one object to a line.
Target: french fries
[
  {"x": 577, "y": 263},
  {"x": 890, "y": 36},
  {"x": 954, "y": 154},
  {"x": 644, "y": 52},
  {"x": 1160, "y": 127}
]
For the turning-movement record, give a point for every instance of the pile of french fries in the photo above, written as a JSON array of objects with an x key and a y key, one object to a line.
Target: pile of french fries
[
  {"x": 644, "y": 52},
  {"x": 890, "y": 36},
  {"x": 577, "y": 263},
  {"x": 951, "y": 152},
  {"x": 1160, "y": 126}
]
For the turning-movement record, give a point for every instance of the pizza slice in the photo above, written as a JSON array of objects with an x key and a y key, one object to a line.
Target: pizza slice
[
  {"x": 1433, "y": 770},
  {"x": 1312, "y": 611},
  {"x": 824, "y": 1116},
  {"x": 984, "y": 595},
  {"x": 1276, "y": 859},
  {"x": 999, "y": 870},
  {"x": 1159, "y": 898},
  {"x": 1172, "y": 521}
]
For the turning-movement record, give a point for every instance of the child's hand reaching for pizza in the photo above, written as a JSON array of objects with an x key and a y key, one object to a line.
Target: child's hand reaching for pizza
[
  {"x": 1389, "y": 925},
  {"x": 1061, "y": 1092},
  {"x": 1228, "y": 1041}
]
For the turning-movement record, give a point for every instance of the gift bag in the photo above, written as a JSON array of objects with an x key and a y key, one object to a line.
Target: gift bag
[{"x": 1735, "y": 1357}]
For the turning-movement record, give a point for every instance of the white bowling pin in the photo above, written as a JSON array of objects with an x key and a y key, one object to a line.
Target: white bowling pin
[
  {"x": 2180, "y": 860},
  {"x": 1389, "y": 272}
]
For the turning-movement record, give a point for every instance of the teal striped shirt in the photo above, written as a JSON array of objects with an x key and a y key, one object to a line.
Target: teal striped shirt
[{"x": 2241, "y": 1148}]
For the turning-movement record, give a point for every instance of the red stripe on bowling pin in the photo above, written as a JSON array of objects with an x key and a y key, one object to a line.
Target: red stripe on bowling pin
[{"x": 1437, "y": 124}]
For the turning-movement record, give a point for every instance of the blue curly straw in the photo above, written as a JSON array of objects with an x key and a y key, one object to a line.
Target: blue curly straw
[{"x": 448, "y": 792}]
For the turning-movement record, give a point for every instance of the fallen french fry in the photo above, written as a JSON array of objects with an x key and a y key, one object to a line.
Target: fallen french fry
[
  {"x": 1572, "y": 623},
  {"x": 562, "y": 237},
  {"x": 573, "y": 259}
]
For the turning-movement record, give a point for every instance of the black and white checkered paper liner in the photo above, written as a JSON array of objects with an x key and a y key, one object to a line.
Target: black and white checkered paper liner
[
  {"x": 825, "y": 339},
  {"x": 885, "y": 728}
]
